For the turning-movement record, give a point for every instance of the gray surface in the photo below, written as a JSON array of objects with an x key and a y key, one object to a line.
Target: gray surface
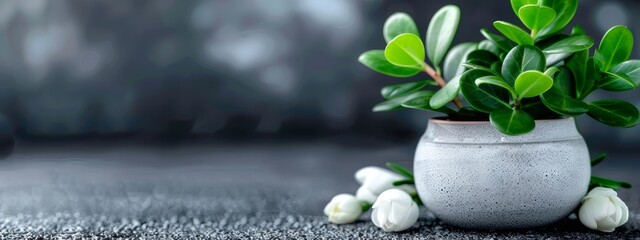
[
  {"x": 470, "y": 175},
  {"x": 221, "y": 191}
]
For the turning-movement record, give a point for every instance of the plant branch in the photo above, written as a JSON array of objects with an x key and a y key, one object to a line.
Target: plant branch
[{"x": 440, "y": 81}]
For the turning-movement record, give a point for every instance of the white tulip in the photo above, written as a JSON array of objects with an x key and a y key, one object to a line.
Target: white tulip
[
  {"x": 376, "y": 180},
  {"x": 602, "y": 210},
  {"x": 394, "y": 211},
  {"x": 343, "y": 208},
  {"x": 363, "y": 194}
]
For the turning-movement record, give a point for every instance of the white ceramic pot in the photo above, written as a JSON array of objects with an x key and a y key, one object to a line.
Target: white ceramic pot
[{"x": 470, "y": 175}]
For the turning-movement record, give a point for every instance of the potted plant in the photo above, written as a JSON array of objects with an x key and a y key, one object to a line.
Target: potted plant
[{"x": 507, "y": 154}]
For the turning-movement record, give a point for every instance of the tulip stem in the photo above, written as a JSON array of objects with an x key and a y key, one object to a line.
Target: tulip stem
[
  {"x": 403, "y": 182},
  {"x": 400, "y": 170},
  {"x": 365, "y": 206},
  {"x": 416, "y": 199}
]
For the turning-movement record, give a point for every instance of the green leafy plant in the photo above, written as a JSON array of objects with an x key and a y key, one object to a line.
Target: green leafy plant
[
  {"x": 605, "y": 182},
  {"x": 528, "y": 72}
]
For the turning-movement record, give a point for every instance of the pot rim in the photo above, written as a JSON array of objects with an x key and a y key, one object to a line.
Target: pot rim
[
  {"x": 446, "y": 120},
  {"x": 483, "y": 132}
]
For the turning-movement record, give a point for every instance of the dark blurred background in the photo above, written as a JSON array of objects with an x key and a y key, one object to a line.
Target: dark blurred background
[
  {"x": 225, "y": 118},
  {"x": 228, "y": 69}
]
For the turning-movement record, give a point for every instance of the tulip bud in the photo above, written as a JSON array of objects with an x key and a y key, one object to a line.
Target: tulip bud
[
  {"x": 602, "y": 210},
  {"x": 376, "y": 180},
  {"x": 343, "y": 208},
  {"x": 394, "y": 211}
]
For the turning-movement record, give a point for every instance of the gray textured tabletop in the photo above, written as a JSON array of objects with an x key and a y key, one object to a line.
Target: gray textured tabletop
[{"x": 239, "y": 191}]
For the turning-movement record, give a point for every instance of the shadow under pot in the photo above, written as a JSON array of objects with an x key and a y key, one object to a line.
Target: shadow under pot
[{"x": 472, "y": 176}]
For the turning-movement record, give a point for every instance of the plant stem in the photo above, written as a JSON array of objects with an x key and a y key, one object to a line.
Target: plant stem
[
  {"x": 440, "y": 81},
  {"x": 416, "y": 199},
  {"x": 365, "y": 206}
]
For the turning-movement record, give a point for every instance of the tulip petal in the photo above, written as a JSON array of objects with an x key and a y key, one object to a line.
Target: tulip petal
[
  {"x": 585, "y": 214},
  {"x": 602, "y": 192},
  {"x": 328, "y": 208},
  {"x": 410, "y": 219},
  {"x": 617, "y": 216},
  {"x": 606, "y": 224},
  {"x": 374, "y": 217},
  {"x": 601, "y": 207},
  {"x": 397, "y": 196},
  {"x": 363, "y": 194},
  {"x": 381, "y": 181},
  {"x": 624, "y": 209},
  {"x": 398, "y": 213},
  {"x": 383, "y": 212},
  {"x": 410, "y": 189},
  {"x": 362, "y": 174}
]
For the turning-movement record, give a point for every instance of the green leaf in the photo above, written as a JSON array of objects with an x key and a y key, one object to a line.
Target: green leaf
[
  {"x": 496, "y": 66},
  {"x": 440, "y": 33},
  {"x": 544, "y": 43},
  {"x": 406, "y": 50},
  {"x": 389, "y": 105},
  {"x": 617, "y": 82},
  {"x": 403, "y": 182},
  {"x": 521, "y": 59},
  {"x": 400, "y": 170},
  {"x": 365, "y": 206},
  {"x": 563, "y": 104},
  {"x": 532, "y": 83},
  {"x": 375, "y": 60},
  {"x": 609, "y": 183},
  {"x": 570, "y": 45},
  {"x": 475, "y": 66},
  {"x": 536, "y": 17},
  {"x": 489, "y": 46},
  {"x": 399, "y": 23},
  {"x": 598, "y": 159},
  {"x": 577, "y": 31},
  {"x": 484, "y": 98},
  {"x": 565, "y": 11},
  {"x": 397, "y": 90},
  {"x": 482, "y": 58},
  {"x": 512, "y": 122},
  {"x": 497, "y": 40},
  {"x": 577, "y": 63},
  {"x": 420, "y": 100},
  {"x": 417, "y": 200},
  {"x": 554, "y": 59},
  {"x": 615, "y": 47},
  {"x": 496, "y": 81},
  {"x": 517, "y": 4},
  {"x": 536, "y": 108},
  {"x": 564, "y": 82},
  {"x": 455, "y": 58},
  {"x": 445, "y": 94},
  {"x": 590, "y": 81},
  {"x": 513, "y": 32},
  {"x": 468, "y": 113},
  {"x": 616, "y": 113},
  {"x": 551, "y": 71},
  {"x": 630, "y": 68}
]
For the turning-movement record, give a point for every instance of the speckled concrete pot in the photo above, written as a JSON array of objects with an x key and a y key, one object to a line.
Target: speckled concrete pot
[{"x": 470, "y": 175}]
